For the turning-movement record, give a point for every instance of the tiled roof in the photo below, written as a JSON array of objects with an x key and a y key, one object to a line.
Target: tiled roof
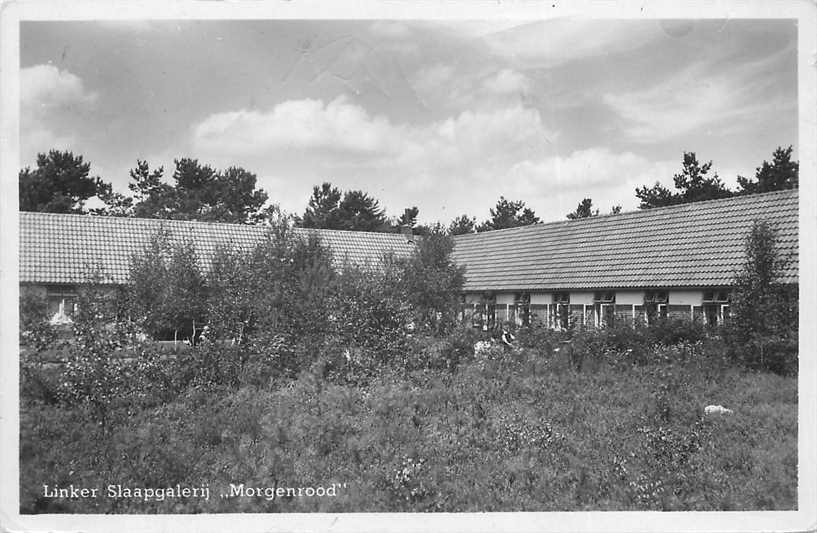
[
  {"x": 59, "y": 248},
  {"x": 691, "y": 245}
]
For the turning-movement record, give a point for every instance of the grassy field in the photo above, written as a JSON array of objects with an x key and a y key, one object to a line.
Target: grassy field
[{"x": 514, "y": 433}]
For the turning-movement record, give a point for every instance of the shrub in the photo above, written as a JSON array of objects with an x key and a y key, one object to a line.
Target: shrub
[
  {"x": 763, "y": 326},
  {"x": 167, "y": 293},
  {"x": 432, "y": 282}
]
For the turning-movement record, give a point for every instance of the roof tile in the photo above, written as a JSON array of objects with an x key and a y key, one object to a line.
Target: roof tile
[
  {"x": 697, "y": 244},
  {"x": 61, "y": 248}
]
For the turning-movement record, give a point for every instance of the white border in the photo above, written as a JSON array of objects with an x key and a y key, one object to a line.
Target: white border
[{"x": 12, "y": 12}]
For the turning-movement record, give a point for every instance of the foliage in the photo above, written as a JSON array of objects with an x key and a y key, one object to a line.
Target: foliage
[
  {"x": 35, "y": 331},
  {"x": 693, "y": 184},
  {"x": 358, "y": 211},
  {"x": 60, "y": 184},
  {"x": 199, "y": 192},
  {"x": 780, "y": 174},
  {"x": 352, "y": 210},
  {"x": 764, "y": 311},
  {"x": 584, "y": 210},
  {"x": 509, "y": 214},
  {"x": 486, "y": 437},
  {"x": 167, "y": 294},
  {"x": 462, "y": 224},
  {"x": 432, "y": 282},
  {"x": 322, "y": 210},
  {"x": 409, "y": 217},
  {"x": 371, "y": 314}
]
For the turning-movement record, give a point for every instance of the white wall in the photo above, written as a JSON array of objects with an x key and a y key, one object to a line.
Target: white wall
[
  {"x": 503, "y": 298},
  {"x": 541, "y": 298},
  {"x": 686, "y": 298},
  {"x": 629, "y": 297},
  {"x": 579, "y": 298}
]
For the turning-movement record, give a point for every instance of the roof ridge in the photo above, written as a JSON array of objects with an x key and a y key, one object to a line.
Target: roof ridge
[
  {"x": 89, "y": 216},
  {"x": 646, "y": 212}
]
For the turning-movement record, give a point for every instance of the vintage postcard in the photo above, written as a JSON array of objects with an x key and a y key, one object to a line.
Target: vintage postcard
[{"x": 387, "y": 266}]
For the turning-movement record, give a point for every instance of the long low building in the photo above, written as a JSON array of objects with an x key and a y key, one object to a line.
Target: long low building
[
  {"x": 640, "y": 265},
  {"x": 58, "y": 251},
  {"x": 678, "y": 260}
]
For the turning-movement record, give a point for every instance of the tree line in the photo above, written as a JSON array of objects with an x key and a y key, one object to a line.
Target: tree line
[{"x": 62, "y": 183}]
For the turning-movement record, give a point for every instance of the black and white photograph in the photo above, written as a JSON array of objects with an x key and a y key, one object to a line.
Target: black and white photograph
[{"x": 457, "y": 271}]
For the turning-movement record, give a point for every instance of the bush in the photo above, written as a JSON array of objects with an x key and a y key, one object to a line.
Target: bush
[{"x": 764, "y": 313}]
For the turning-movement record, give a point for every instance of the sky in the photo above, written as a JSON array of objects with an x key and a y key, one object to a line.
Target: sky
[{"x": 443, "y": 115}]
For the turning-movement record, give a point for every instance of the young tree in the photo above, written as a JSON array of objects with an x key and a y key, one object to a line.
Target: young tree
[
  {"x": 433, "y": 282},
  {"x": 584, "y": 210},
  {"x": 693, "y": 183},
  {"x": 763, "y": 310},
  {"x": 60, "y": 184},
  {"x": 462, "y": 224},
  {"x": 168, "y": 294},
  {"x": 509, "y": 214},
  {"x": 782, "y": 173}
]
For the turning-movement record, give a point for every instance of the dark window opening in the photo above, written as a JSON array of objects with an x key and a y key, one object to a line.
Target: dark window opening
[
  {"x": 715, "y": 307},
  {"x": 655, "y": 305}
]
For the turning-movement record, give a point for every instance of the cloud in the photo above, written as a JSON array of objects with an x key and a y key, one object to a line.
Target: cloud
[
  {"x": 49, "y": 100},
  {"x": 554, "y": 42},
  {"x": 507, "y": 81},
  {"x": 46, "y": 87},
  {"x": 300, "y": 124},
  {"x": 704, "y": 98},
  {"x": 569, "y": 178},
  {"x": 427, "y": 163},
  {"x": 431, "y": 78},
  {"x": 344, "y": 131}
]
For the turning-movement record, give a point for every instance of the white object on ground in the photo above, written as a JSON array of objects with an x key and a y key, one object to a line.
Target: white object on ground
[
  {"x": 481, "y": 347},
  {"x": 717, "y": 410}
]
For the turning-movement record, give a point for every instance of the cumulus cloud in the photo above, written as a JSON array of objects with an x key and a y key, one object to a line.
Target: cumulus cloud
[
  {"x": 49, "y": 97},
  {"x": 458, "y": 164},
  {"x": 424, "y": 163},
  {"x": 341, "y": 129},
  {"x": 301, "y": 124},
  {"x": 46, "y": 87},
  {"x": 564, "y": 178}
]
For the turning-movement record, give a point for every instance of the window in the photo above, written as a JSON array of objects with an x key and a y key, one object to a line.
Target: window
[
  {"x": 715, "y": 306},
  {"x": 655, "y": 305},
  {"x": 607, "y": 297},
  {"x": 561, "y": 298},
  {"x": 62, "y": 303},
  {"x": 561, "y": 318},
  {"x": 522, "y": 306},
  {"x": 604, "y": 303},
  {"x": 488, "y": 310}
]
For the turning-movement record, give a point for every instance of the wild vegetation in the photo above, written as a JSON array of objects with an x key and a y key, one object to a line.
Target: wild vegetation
[{"x": 308, "y": 375}]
